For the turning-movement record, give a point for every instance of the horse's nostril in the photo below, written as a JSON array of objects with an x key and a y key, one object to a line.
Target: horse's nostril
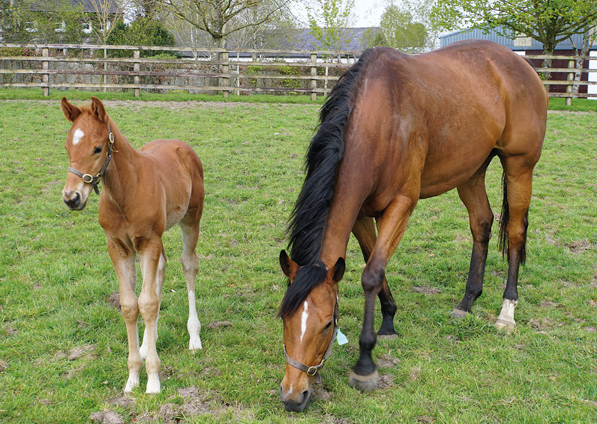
[{"x": 305, "y": 396}]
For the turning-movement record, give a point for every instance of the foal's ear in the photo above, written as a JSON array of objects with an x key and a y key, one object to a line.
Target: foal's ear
[
  {"x": 70, "y": 111},
  {"x": 338, "y": 270},
  {"x": 289, "y": 267},
  {"x": 97, "y": 107}
]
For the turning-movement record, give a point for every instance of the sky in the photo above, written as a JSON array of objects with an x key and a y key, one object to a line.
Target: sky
[{"x": 367, "y": 13}]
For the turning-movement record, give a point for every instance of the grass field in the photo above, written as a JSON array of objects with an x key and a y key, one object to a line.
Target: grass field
[{"x": 63, "y": 342}]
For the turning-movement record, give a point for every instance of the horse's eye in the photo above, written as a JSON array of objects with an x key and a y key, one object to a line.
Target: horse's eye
[
  {"x": 328, "y": 326},
  {"x": 97, "y": 150}
]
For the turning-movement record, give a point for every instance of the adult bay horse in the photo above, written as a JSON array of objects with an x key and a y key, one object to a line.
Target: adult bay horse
[
  {"x": 395, "y": 129},
  {"x": 145, "y": 193}
]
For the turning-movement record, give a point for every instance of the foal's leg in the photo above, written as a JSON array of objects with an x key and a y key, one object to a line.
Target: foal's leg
[
  {"x": 391, "y": 228},
  {"x": 190, "y": 265},
  {"x": 159, "y": 283},
  {"x": 124, "y": 265},
  {"x": 519, "y": 175},
  {"x": 150, "y": 252},
  {"x": 364, "y": 231},
  {"x": 474, "y": 196}
]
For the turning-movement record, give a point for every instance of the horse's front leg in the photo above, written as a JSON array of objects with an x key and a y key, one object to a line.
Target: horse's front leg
[
  {"x": 159, "y": 283},
  {"x": 123, "y": 260},
  {"x": 391, "y": 228},
  {"x": 149, "y": 306}
]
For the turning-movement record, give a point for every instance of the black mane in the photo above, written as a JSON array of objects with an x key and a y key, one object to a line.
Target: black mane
[{"x": 308, "y": 218}]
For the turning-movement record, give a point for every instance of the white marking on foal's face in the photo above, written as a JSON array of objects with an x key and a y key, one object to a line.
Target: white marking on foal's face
[
  {"x": 77, "y": 136},
  {"x": 304, "y": 317}
]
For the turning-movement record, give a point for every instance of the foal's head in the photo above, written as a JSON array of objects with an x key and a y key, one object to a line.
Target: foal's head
[
  {"x": 310, "y": 313},
  {"x": 87, "y": 147}
]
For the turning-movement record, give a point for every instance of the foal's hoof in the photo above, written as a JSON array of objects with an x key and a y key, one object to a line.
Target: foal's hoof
[
  {"x": 505, "y": 324},
  {"x": 457, "y": 313},
  {"x": 365, "y": 383}
]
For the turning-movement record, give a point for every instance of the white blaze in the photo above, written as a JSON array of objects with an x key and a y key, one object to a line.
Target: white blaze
[
  {"x": 77, "y": 136},
  {"x": 304, "y": 317}
]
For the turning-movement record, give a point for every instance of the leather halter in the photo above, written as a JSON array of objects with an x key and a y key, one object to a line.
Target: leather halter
[
  {"x": 95, "y": 180},
  {"x": 314, "y": 369}
]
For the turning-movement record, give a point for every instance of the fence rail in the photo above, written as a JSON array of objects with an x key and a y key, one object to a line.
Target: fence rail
[
  {"x": 205, "y": 69},
  {"x": 55, "y": 66}
]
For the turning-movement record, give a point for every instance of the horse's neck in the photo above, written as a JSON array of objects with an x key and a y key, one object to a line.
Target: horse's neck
[{"x": 121, "y": 175}]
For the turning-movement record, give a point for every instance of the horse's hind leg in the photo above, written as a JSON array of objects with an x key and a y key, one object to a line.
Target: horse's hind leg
[
  {"x": 364, "y": 231},
  {"x": 518, "y": 174},
  {"x": 190, "y": 265},
  {"x": 473, "y": 195}
]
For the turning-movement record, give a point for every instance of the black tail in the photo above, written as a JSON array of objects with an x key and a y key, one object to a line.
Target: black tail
[
  {"x": 504, "y": 219},
  {"x": 309, "y": 216}
]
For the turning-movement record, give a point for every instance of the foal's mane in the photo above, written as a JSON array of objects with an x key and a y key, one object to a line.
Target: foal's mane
[{"x": 309, "y": 216}]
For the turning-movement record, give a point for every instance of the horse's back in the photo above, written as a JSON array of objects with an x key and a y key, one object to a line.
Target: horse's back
[{"x": 447, "y": 110}]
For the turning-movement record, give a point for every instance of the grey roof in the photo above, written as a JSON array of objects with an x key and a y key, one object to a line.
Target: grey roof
[{"x": 512, "y": 43}]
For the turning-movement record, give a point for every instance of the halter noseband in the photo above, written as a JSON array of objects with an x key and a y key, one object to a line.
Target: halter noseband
[
  {"x": 313, "y": 370},
  {"x": 95, "y": 180}
]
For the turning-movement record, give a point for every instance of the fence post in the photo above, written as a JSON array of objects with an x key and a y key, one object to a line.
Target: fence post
[
  {"x": 570, "y": 79},
  {"x": 136, "y": 68},
  {"x": 313, "y": 74},
  {"x": 225, "y": 80},
  {"x": 45, "y": 78}
]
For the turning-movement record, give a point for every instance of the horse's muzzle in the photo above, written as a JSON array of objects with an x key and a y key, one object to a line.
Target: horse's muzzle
[
  {"x": 74, "y": 200},
  {"x": 295, "y": 405}
]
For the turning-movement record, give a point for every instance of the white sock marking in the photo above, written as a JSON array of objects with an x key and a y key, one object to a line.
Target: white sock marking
[
  {"x": 77, "y": 136},
  {"x": 304, "y": 317},
  {"x": 507, "y": 314}
]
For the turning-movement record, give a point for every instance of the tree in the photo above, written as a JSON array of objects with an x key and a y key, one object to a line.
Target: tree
[
  {"x": 141, "y": 32},
  {"x": 103, "y": 16},
  {"x": 547, "y": 21},
  {"x": 401, "y": 31},
  {"x": 326, "y": 21},
  {"x": 220, "y": 18},
  {"x": 373, "y": 37}
]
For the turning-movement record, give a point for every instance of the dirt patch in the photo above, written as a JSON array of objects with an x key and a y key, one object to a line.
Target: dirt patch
[
  {"x": 578, "y": 246},
  {"x": 113, "y": 300},
  {"x": 124, "y": 402},
  {"x": 426, "y": 290},
  {"x": 79, "y": 352},
  {"x": 385, "y": 381},
  {"x": 3, "y": 365},
  {"x": 218, "y": 324},
  {"x": 106, "y": 417},
  {"x": 387, "y": 361}
]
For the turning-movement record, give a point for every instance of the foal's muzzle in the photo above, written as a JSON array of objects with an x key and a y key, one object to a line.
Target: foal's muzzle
[{"x": 74, "y": 200}]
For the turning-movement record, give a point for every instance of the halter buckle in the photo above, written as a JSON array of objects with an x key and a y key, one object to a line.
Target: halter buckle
[
  {"x": 311, "y": 371},
  {"x": 87, "y": 178}
]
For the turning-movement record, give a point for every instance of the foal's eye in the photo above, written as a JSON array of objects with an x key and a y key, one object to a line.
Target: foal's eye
[
  {"x": 328, "y": 326},
  {"x": 97, "y": 150}
]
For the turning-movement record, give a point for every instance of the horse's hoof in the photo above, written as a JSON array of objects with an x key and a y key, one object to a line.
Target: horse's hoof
[
  {"x": 365, "y": 383},
  {"x": 387, "y": 337},
  {"x": 457, "y": 313},
  {"x": 503, "y": 324}
]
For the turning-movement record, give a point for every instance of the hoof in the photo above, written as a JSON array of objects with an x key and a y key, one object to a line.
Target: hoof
[
  {"x": 457, "y": 313},
  {"x": 365, "y": 383},
  {"x": 387, "y": 337},
  {"x": 502, "y": 324}
]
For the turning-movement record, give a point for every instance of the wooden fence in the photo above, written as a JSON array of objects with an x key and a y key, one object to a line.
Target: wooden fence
[{"x": 204, "y": 70}]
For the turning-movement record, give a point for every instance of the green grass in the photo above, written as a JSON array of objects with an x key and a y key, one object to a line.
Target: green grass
[{"x": 56, "y": 279}]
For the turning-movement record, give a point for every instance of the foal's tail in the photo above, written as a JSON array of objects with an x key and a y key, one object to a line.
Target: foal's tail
[{"x": 504, "y": 219}]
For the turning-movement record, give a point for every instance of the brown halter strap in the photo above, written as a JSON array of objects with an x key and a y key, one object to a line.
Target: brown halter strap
[{"x": 95, "y": 180}]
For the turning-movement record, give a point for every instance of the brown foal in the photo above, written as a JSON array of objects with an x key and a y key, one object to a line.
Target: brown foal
[{"x": 145, "y": 193}]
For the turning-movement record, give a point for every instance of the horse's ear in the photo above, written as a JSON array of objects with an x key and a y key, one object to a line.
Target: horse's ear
[
  {"x": 338, "y": 270},
  {"x": 289, "y": 267},
  {"x": 97, "y": 107},
  {"x": 70, "y": 111}
]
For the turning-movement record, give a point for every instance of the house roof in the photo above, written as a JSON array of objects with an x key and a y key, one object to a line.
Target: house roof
[{"x": 514, "y": 43}]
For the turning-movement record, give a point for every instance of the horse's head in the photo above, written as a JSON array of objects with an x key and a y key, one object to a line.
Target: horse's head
[
  {"x": 310, "y": 313},
  {"x": 89, "y": 146}
]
